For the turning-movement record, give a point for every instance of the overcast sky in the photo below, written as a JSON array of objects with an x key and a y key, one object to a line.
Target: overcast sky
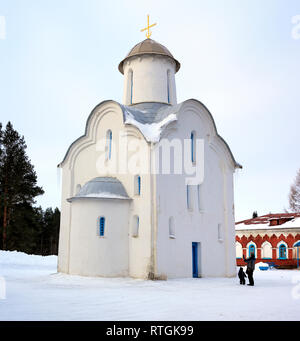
[{"x": 59, "y": 58}]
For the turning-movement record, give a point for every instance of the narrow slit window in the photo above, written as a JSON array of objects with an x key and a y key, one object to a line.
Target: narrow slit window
[
  {"x": 101, "y": 226},
  {"x": 193, "y": 146},
  {"x": 135, "y": 226},
  {"x": 131, "y": 85},
  {"x": 220, "y": 234},
  {"x": 108, "y": 144},
  {"x": 189, "y": 197},
  {"x": 171, "y": 228},
  {"x": 168, "y": 85},
  {"x": 200, "y": 199},
  {"x": 137, "y": 185}
]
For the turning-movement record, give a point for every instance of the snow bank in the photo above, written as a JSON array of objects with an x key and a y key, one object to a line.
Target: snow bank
[
  {"x": 35, "y": 292},
  {"x": 21, "y": 258}
]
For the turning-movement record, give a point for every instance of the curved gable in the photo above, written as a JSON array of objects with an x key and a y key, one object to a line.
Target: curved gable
[
  {"x": 90, "y": 128},
  {"x": 194, "y": 105},
  {"x": 151, "y": 129}
]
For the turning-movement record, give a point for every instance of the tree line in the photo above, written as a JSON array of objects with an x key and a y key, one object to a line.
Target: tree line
[{"x": 23, "y": 226}]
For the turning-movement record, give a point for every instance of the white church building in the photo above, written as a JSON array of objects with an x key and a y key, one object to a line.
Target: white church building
[{"x": 147, "y": 191}]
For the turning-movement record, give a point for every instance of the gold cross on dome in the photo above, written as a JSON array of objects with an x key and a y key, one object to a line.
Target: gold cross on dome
[{"x": 148, "y": 34}]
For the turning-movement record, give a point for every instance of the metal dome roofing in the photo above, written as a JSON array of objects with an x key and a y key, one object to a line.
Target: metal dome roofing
[
  {"x": 148, "y": 46},
  {"x": 102, "y": 188}
]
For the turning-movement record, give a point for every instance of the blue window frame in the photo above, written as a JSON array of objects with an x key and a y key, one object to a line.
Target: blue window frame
[
  {"x": 282, "y": 251},
  {"x": 251, "y": 249},
  {"x": 101, "y": 226}
]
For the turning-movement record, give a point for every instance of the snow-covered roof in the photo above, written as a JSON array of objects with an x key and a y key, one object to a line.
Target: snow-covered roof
[
  {"x": 150, "y": 118},
  {"x": 262, "y": 223},
  {"x": 102, "y": 188}
]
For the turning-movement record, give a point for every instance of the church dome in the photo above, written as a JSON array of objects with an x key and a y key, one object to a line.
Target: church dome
[{"x": 148, "y": 46}]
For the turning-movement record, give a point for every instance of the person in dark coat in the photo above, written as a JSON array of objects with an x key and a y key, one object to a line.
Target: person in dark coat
[
  {"x": 242, "y": 276},
  {"x": 250, "y": 268}
]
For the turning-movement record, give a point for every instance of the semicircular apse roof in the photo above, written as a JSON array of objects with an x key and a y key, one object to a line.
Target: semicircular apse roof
[{"x": 102, "y": 188}]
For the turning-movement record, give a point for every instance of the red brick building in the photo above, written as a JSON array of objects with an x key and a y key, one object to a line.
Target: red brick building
[{"x": 271, "y": 237}]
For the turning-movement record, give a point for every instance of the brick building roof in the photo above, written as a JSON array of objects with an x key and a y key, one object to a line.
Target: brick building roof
[{"x": 270, "y": 221}]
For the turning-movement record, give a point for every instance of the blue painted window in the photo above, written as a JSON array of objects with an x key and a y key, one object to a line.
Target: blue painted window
[
  {"x": 101, "y": 226},
  {"x": 251, "y": 249},
  {"x": 139, "y": 185},
  {"x": 282, "y": 251},
  {"x": 195, "y": 259},
  {"x": 193, "y": 146}
]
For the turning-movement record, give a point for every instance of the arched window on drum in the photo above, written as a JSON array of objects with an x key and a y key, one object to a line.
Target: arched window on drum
[{"x": 108, "y": 146}]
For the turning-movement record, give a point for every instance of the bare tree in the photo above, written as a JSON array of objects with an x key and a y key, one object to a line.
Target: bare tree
[{"x": 294, "y": 196}]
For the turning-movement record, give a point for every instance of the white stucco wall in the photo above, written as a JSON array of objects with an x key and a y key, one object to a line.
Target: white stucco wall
[
  {"x": 83, "y": 163},
  {"x": 90, "y": 254},
  {"x": 174, "y": 255}
]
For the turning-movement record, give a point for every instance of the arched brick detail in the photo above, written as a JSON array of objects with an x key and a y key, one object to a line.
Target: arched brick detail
[
  {"x": 251, "y": 239},
  {"x": 273, "y": 240},
  {"x": 244, "y": 241},
  {"x": 258, "y": 241},
  {"x": 266, "y": 238},
  {"x": 290, "y": 240}
]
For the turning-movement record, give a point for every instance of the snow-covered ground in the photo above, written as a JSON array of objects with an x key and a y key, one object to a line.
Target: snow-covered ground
[{"x": 34, "y": 291}]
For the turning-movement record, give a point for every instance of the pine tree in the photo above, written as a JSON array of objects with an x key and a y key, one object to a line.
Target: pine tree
[
  {"x": 50, "y": 233},
  {"x": 18, "y": 180},
  {"x": 294, "y": 196}
]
